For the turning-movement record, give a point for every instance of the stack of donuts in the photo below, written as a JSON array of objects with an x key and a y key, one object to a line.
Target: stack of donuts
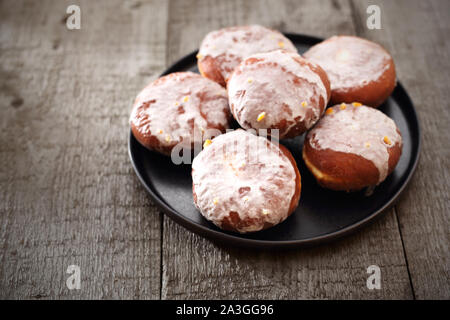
[{"x": 244, "y": 180}]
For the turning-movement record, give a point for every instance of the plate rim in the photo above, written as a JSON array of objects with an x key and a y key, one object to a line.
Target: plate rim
[{"x": 218, "y": 235}]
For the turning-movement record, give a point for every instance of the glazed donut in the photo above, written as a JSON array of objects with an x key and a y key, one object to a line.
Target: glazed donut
[
  {"x": 352, "y": 147},
  {"x": 170, "y": 109},
  {"x": 222, "y": 50},
  {"x": 358, "y": 69},
  {"x": 245, "y": 183},
  {"x": 278, "y": 90}
]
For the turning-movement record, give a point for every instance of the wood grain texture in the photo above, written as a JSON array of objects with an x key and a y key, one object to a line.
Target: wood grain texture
[
  {"x": 68, "y": 193},
  {"x": 417, "y": 33},
  {"x": 196, "y": 268}
]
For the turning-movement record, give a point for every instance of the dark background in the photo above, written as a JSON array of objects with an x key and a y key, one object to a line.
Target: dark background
[{"x": 69, "y": 194}]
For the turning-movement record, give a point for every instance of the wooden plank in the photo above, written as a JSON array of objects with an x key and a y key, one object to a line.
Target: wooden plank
[
  {"x": 196, "y": 268},
  {"x": 417, "y": 33},
  {"x": 68, "y": 193}
]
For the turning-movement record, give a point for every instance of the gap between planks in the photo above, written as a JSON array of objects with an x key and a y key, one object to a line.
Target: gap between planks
[{"x": 404, "y": 254}]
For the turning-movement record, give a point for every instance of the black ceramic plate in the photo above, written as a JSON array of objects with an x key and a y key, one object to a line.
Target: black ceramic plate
[{"x": 322, "y": 215}]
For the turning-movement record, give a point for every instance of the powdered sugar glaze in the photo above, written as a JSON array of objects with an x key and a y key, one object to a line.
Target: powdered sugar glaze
[
  {"x": 357, "y": 130},
  {"x": 170, "y": 107},
  {"x": 244, "y": 173},
  {"x": 350, "y": 62},
  {"x": 231, "y": 45},
  {"x": 270, "y": 85}
]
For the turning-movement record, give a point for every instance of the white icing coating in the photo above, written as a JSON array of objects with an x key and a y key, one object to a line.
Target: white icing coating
[
  {"x": 244, "y": 173},
  {"x": 350, "y": 62},
  {"x": 274, "y": 88},
  {"x": 231, "y": 45},
  {"x": 172, "y": 106},
  {"x": 357, "y": 130}
]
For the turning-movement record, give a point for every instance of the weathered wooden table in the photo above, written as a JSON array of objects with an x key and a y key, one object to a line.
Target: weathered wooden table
[{"x": 69, "y": 195}]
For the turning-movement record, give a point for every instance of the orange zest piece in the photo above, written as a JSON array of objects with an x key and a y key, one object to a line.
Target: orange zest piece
[
  {"x": 261, "y": 116},
  {"x": 207, "y": 143}
]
